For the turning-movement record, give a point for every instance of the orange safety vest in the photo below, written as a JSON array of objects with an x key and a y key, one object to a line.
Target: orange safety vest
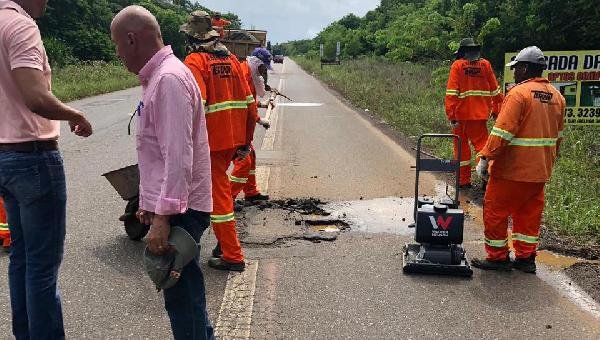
[
  {"x": 229, "y": 105},
  {"x": 472, "y": 92},
  {"x": 525, "y": 139}
]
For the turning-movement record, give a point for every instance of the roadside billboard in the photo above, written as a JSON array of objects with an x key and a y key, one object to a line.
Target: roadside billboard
[{"x": 576, "y": 74}]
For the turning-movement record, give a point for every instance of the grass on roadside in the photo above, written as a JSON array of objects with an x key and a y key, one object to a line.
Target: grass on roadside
[
  {"x": 91, "y": 78},
  {"x": 410, "y": 98}
]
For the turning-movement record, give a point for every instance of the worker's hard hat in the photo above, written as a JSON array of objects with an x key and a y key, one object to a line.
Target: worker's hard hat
[
  {"x": 165, "y": 270},
  {"x": 199, "y": 26},
  {"x": 466, "y": 43},
  {"x": 531, "y": 54},
  {"x": 264, "y": 55}
]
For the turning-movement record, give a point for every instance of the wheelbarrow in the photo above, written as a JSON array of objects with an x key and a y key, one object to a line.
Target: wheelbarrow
[{"x": 126, "y": 182}]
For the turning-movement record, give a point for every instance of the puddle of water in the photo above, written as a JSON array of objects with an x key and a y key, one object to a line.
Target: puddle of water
[
  {"x": 380, "y": 215},
  {"x": 324, "y": 228},
  {"x": 556, "y": 261}
]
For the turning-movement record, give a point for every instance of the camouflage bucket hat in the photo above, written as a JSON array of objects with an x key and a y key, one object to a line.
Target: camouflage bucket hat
[
  {"x": 467, "y": 43},
  {"x": 199, "y": 26}
]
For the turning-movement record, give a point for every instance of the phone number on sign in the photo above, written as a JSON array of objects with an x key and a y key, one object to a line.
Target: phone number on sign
[{"x": 583, "y": 112}]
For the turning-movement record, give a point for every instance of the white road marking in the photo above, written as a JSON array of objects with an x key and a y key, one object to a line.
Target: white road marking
[
  {"x": 269, "y": 138},
  {"x": 300, "y": 104},
  {"x": 272, "y": 115},
  {"x": 235, "y": 315},
  {"x": 262, "y": 178}
]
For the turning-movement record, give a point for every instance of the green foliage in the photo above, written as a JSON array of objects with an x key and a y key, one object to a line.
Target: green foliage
[
  {"x": 59, "y": 53},
  {"x": 572, "y": 198},
  {"x": 90, "y": 78},
  {"x": 296, "y": 47},
  {"x": 426, "y": 30},
  {"x": 80, "y": 29}
]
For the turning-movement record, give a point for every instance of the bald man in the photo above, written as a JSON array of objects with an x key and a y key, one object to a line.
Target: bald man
[
  {"x": 173, "y": 157},
  {"x": 32, "y": 178}
]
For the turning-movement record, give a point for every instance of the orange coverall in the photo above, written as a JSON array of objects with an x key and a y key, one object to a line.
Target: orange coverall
[
  {"x": 4, "y": 231},
  {"x": 230, "y": 121},
  {"x": 472, "y": 94},
  {"x": 219, "y": 24},
  {"x": 522, "y": 149},
  {"x": 243, "y": 176}
]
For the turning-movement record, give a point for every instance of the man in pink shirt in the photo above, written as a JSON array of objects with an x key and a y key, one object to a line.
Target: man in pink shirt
[
  {"x": 32, "y": 179},
  {"x": 173, "y": 157}
]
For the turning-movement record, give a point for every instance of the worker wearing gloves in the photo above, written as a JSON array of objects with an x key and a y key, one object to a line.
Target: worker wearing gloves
[
  {"x": 230, "y": 120},
  {"x": 243, "y": 176},
  {"x": 472, "y": 94},
  {"x": 521, "y": 152},
  {"x": 4, "y": 230}
]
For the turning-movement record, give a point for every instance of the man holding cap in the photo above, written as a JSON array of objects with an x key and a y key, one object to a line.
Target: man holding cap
[
  {"x": 174, "y": 162},
  {"x": 521, "y": 151}
]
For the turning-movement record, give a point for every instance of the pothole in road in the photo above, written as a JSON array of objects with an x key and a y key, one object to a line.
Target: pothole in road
[
  {"x": 303, "y": 206},
  {"x": 323, "y": 229}
]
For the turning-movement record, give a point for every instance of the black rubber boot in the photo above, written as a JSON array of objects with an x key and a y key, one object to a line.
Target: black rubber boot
[
  {"x": 220, "y": 264},
  {"x": 526, "y": 265},
  {"x": 257, "y": 197},
  {"x": 238, "y": 206},
  {"x": 505, "y": 265},
  {"x": 216, "y": 252}
]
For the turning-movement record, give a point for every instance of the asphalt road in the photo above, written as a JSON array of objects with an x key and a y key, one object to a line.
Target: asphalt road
[{"x": 350, "y": 288}]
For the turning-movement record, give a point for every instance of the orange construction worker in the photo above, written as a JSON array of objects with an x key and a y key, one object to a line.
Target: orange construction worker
[
  {"x": 219, "y": 23},
  {"x": 472, "y": 95},
  {"x": 4, "y": 231},
  {"x": 243, "y": 176},
  {"x": 230, "y": 120},
  {"x": 521, "y": 151}
]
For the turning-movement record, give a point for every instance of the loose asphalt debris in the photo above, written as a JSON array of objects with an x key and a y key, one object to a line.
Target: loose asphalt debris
[
  {"x": 586, "y": 275},
  {"x": 550, "y": 240},
  {"x": 303, "y": 206}
]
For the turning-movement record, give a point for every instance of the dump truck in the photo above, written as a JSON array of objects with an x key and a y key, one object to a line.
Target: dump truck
[{"x": 243, "y": 42}]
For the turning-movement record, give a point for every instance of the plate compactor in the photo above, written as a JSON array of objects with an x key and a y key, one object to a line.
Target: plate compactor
[{"x": 438, "y": 223}]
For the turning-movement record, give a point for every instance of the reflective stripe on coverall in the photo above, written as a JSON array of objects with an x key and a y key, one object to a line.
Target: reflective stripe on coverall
[
  {"x": 230, "y": 121},
  {"x": 472, "y": 94},
  {"x": 4, "y": 230},
  {"x": 522, "y": 149}
]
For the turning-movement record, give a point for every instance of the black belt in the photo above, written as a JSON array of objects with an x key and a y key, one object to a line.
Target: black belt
[{"x": 40, "y": 145}]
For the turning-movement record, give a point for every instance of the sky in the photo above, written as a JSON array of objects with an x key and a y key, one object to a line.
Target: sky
[{"x": 286, "y": 20}]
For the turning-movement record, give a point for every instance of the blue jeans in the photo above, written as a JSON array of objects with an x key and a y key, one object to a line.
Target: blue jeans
[
  {"x": 186, "y": 301},
  {"x": 32, "y": 185}
]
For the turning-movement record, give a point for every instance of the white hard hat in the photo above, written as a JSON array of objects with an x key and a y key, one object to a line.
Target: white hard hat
[{"x": 531, "y": 54}]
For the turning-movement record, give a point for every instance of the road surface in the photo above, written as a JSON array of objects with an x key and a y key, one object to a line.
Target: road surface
[{"x": 293, "y": 289}]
